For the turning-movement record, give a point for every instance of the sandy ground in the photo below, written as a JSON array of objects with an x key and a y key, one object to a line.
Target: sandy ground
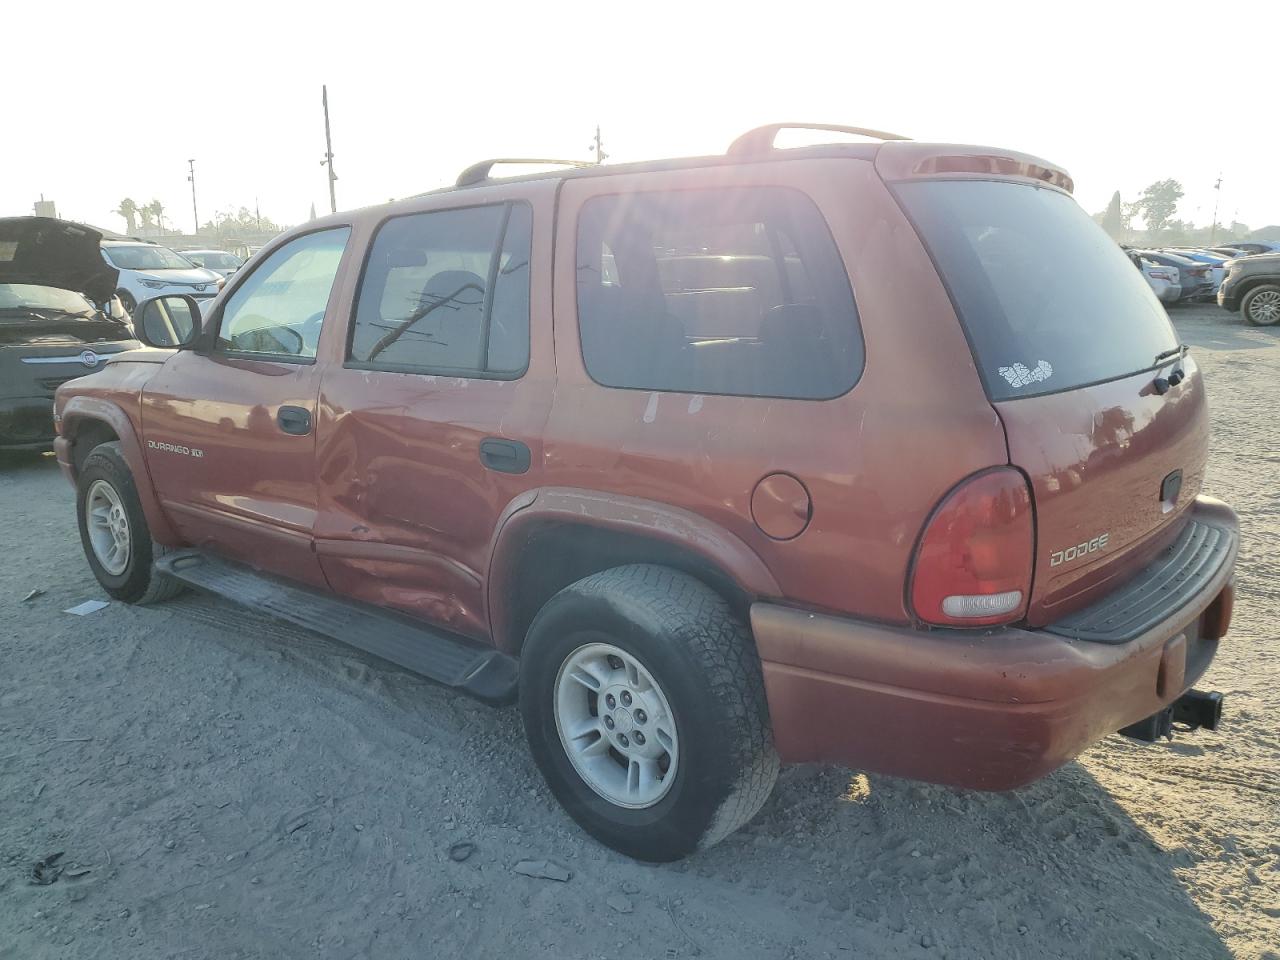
[{"x": 221, "y": 786}]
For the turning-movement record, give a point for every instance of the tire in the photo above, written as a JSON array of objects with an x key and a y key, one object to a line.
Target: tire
[
  {"x": 677, "y": 644},
  {"x": 127, "y": 301},
  {"x": 105, "y": 482},
  {"x": 1261, "y": 305}
]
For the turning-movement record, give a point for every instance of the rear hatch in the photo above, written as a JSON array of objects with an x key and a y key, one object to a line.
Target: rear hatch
[{"x": 1076, "y": 354}]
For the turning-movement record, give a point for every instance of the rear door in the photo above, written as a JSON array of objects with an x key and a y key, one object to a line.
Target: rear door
[
  {"x": 1101, "y": 408},
  {"x": 230, "y": 432},
  {"x": 431, "y": 424}
]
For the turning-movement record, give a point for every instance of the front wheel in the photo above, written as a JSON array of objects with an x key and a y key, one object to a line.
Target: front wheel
[
  {"x": 114, "y": 533},
  {"x": 127, "y": 301},
  {"x": 1261, "y": 305},
  {"x": 644, "y": 705}
]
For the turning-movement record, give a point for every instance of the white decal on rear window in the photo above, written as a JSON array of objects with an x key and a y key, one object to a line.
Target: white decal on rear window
[
  {"x": 1020, "y": 376},
  {"x": 8, "y": 249}
]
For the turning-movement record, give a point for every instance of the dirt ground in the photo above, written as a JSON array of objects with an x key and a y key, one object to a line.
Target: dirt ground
[{"x": 221, "y": 786}]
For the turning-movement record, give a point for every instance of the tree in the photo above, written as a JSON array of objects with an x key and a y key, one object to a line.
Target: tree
[
  {"x": 1114, "y": 220},
  {"x": 156, "y": 209},
  {"x": 1159, "y": 202},
  {"x": 129, "y": 210},
  {"x": 241, "y": 223}
]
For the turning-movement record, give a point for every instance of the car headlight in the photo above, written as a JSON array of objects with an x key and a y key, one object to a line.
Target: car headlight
[{"x": 153, "y": 284}]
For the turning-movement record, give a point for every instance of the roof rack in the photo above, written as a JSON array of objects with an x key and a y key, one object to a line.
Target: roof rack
[
  {"x": 479, "y": 172},
  {"x": 760, "y": 140}
]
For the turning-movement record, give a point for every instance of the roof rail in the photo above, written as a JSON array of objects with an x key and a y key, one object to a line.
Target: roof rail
[
  {"x": 479, "y": 172},
  {"x": 760, "y": 140}
]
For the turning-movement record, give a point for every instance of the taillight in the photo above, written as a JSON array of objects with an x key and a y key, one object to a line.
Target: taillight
[{"x": 974, "y": 560}]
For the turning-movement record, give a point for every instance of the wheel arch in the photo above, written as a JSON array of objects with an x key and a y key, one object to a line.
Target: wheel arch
[
  {"x": 552, "y": 537},
  {"x": 88, "y": 422}
]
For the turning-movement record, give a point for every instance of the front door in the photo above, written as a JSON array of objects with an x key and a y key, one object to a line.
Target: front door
[
  {"x": 230, "y": 431},
  {"x": 432, "y": 425}
]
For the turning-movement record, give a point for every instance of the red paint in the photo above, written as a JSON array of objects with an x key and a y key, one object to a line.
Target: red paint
[
  {"x": 781, "y": 506},
  {"x": 811, "y": 510}
]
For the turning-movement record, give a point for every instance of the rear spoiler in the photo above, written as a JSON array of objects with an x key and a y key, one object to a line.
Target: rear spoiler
[{"x": 899, "y": 160}]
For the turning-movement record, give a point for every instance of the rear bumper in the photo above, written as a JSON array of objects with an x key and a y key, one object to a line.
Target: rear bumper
[{"x": 989, "y": 711}]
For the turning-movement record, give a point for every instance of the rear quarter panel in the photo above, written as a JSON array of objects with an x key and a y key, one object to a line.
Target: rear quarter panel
[{"x": 874, "y": 461}]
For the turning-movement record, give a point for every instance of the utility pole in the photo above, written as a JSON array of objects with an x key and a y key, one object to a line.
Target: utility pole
[
  {"x": 1213, "y": 231},
  {"x": 598, "y": 146},
  {"x": 328, "y": 149},
  {"x": 195, "y": 214}
]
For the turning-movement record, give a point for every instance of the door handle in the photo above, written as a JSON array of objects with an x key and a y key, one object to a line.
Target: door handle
[
  {"x": 294, "y": 420},
  {"x": 505, "y": 456}
]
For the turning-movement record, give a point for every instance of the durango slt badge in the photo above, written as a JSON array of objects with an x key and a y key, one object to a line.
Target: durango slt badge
[{"x": 175, "y": 448}]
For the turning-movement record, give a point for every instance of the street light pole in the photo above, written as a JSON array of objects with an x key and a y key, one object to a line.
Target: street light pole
[
  {"x": 195, "y": 214},
  {"x": 328, "y": 149},
  {"x": 598, "y": 146},
  {"x": 1213, "y": 231}
]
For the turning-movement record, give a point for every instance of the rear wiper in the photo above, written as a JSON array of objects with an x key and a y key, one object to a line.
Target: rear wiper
[{"x": 1177, "y": 351}]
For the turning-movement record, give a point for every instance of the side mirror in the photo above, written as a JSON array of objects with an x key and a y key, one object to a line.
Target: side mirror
[
  {"x": 170, "y": 322},
  {"x": 115, "y": 310}
]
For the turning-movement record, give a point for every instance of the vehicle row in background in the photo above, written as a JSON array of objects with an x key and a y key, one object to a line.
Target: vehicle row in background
[{"x": 150, "y": 270}]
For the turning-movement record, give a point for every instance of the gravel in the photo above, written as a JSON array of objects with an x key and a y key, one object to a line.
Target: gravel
[{"x": 224, "y": 786}]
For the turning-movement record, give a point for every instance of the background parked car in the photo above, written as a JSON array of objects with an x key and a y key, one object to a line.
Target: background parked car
[
  {"x": 1163, "y": 280},
  {"x": 1252, "y": 286},
  {"x": 1196, "y": 278},
  {"x": 219, "y": 261},
  {"x": 1258, "y": 246},
  {"x": 1214, "y": 261},
  {"x": 58, "y": 320},
  {"x": 149, "y": 270}
]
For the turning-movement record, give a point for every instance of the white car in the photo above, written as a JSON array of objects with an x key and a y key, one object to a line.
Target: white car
[
  {"x": 219, "y": 261},
  {"x": 1165, "y": 282},
  {"x": 149, "y": 270}
]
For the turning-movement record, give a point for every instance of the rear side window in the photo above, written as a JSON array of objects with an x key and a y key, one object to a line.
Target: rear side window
[
  {"x": 727, "y": 291},
  {"x": 447, "y": 291},
  {"x": 1050, "y": 303}
]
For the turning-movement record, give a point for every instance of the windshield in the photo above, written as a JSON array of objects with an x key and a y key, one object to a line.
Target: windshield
[
  {"x": 21, "y": 297},
  {"x": 1049, "y": 302},
  {"x": 145, "y": 257},
  {"x": 215, "y": 259}
]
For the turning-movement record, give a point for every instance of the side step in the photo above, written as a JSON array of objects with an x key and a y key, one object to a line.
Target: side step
[{"x": 453, "y": 661}]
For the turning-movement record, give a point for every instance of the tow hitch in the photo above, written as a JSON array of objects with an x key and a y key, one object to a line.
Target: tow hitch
[{"x": 1191, "y": 711}]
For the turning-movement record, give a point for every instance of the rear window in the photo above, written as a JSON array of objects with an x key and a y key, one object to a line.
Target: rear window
[
  {"x": 736, "y": 291},
  {"x": 1049, "y": 302}
]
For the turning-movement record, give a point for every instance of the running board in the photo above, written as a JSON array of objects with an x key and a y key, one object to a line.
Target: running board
[{"x": 480, "y": 671}]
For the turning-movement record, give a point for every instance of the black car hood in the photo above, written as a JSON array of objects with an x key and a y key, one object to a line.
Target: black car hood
[{"x": 55, "y": 253}]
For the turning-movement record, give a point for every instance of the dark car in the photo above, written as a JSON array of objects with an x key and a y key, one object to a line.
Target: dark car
[
  {"x": 1196, "y": 277},
  {"x": 1252, "y": 286},
  {"x": 880, "y": 454},
  {"x": 58, "y": 320}
]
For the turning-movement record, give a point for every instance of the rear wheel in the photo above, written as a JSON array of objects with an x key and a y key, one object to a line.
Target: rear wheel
[
  {"x": 1261, "y": 305},
  {"x": 114, "y": 533},
  {"x": 644, "y": 705}
]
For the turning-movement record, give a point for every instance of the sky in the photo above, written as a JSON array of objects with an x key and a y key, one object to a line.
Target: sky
[{"x": 113, "y": 100}]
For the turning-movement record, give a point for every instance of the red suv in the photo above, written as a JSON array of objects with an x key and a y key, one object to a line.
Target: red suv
[{"x": 873, "y": 453}]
